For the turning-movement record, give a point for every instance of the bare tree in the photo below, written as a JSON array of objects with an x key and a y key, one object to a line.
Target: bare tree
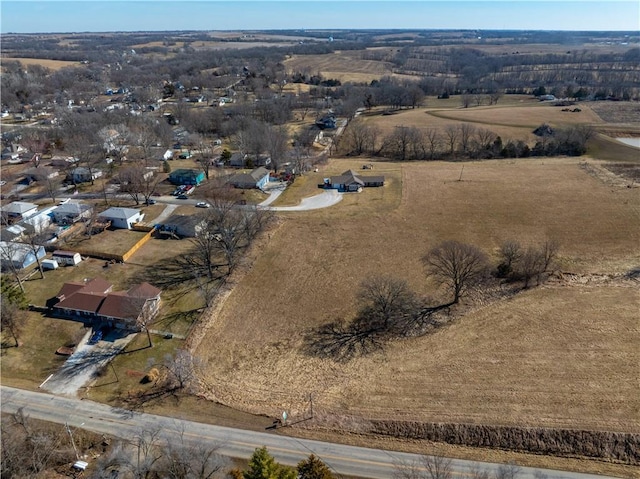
[
  {"x": 451, "y": 133},
  {"x": 459, "y": 266},
  {"x": 387, "y": 301},
  {"x": 507, "y": 471},
  {"x": 426, "y": 467},
  {"x": 277, "y": 140},
  {"x": 12, "y": 315},
  {"x": 183, "y": 370},
  {"x": 359, "y": 137},
  {"x": 466, "y": 133},
  {"x": 10, "y": 252},
  {"x": 510, "y": 254},
  {"x": 433, "y": 139}
]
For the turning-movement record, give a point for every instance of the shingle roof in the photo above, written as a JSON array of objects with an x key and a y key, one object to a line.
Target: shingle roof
[{"x": 121, "y": 213}]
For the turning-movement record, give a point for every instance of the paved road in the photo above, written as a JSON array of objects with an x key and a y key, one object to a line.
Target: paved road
[{"x": 348, "y": 460}]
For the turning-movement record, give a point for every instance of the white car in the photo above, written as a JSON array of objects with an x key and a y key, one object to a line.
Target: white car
[{"x": 202, "y": 204}]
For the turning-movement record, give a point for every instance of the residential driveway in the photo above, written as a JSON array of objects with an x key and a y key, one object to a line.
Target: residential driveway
[
  {"x": 85, "y": 363},
  {"x": 323, "y": 200},
  {"x": 168, "y": 210}
]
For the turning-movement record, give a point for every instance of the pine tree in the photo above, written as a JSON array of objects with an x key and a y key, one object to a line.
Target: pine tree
[
  {"x": 314, "y": 468},
  {"x": 262, "y": 465}
]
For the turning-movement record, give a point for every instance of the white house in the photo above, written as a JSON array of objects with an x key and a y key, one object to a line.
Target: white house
[
  {"x": 40, "y": 221},
  {"x": 84, "y": 175},
  {"x": 122, "y": 218}
]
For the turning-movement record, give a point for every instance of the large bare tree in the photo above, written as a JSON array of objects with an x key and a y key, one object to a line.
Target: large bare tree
[{"x": 458, "y": 266}]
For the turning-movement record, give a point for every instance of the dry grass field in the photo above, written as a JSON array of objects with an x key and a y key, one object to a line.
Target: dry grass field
[
  {"x": 346, "y": 66},
  {"x": 564, "y": 354},
  {"x": 512, "y": 118},
  {"x": 51, "y": 64}
]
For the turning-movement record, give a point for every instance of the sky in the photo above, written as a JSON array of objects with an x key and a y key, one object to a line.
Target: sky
[{"x": 38, "y": 16}]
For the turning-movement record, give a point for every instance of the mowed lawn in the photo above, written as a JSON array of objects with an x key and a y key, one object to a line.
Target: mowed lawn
[{"x": 559, "y": 355}]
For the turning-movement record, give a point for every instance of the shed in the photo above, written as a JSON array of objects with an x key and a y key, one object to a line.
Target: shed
[
  {"x": 49, "y": 264},
  {"x": 67, "y": 257}
]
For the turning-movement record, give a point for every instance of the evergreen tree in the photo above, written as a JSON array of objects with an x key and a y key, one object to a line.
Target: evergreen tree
[
  {"x": 314, "y": 468},
  {"x": 262, "y": 465}
]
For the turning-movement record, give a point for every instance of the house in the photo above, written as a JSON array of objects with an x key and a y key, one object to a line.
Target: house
[
  {"x": 13, "y": 151},
  {"x": 350, "y": 181},
  {"x": 84, "y": 175},
  {"x": 19, "y": 255},
  {"x": 96, "y": 303},
  {"x": 181, "y": 225},
  {"x": 71, "y": 212},
  {"x": 40, "y": 221},
  {"x": 122, "y": 218},
  {"x": 257, "y": 178},
  {"x": 17, "y": 211},
  {"x": 238, "y": 160},
  {"x": 326, "y": 122},
  {"x": 185, "y": 176},
  {"x": 40, "y": 173},
  {"x": 66, "y": 257}
]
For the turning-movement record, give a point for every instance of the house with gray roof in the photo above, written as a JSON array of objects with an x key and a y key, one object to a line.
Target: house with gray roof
[
  {"x": 71, "y": 212},
  {"x": 350, "y": 181},
  {"x": 17, "y": 211},
  {"x": 257, "y": 178},
  {"x": 122, "y": 218}
]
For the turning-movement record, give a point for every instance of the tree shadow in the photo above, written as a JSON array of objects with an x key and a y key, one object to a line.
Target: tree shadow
[{"x": 343, "y": 340}]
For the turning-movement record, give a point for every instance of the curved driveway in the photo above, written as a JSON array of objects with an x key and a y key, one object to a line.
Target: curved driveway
[{"x": 323, "y": 200}]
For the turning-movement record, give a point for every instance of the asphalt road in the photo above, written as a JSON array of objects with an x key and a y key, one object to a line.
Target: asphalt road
[{"x": 348, "y": 460}]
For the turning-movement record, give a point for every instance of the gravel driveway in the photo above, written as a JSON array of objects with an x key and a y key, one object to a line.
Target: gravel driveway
[{"x": 85, "y": 363}]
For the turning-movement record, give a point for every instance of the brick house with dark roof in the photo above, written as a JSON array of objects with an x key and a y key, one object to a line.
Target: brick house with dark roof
[{"x": 95, "y": 303}]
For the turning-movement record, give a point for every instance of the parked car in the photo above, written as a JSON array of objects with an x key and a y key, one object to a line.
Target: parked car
[
  {"x": 95, "y": 337},
  {"x": 150, "y": 201},
  {"x": 185, "y": 155},
  {"x": 183, "y": 197},
  {"x": 202, "y": 204}
]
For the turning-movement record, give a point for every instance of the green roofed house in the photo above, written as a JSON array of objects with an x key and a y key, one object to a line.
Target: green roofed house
[{"x": 185, "y": 176}]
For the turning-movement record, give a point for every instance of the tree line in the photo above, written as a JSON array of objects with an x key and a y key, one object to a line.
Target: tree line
[{"x": 463, "y": 140}]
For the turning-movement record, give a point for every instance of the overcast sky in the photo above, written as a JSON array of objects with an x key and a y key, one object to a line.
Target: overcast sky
[{"x": 26, "y": 16}]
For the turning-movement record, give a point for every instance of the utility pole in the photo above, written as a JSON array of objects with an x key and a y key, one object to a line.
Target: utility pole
[{"x": 73, "y": 443}]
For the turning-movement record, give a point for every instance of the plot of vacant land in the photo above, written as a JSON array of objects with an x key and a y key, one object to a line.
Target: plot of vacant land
[{"x": 561, "y": 355}]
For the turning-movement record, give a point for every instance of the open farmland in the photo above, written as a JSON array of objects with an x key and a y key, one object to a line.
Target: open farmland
[
  {"x": 551, "y": 356},
  {"x": 346, "y": 66},
  {"x": 44, "y": 62},
  {"x": 513, "y": 118}
]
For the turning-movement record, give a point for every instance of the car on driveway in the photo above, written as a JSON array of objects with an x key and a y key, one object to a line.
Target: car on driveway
[
  {"x": 95, "y": 337},
  {"x": 202, "y": 204}
]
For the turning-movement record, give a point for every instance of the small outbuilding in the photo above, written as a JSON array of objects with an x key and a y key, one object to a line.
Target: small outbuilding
[
  {"x": 49, "y": 264},
  {"x": 66, "y": 257}
]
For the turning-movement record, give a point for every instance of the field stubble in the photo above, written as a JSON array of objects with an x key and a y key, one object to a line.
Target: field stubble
[{"x": 554, "y": 356}]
